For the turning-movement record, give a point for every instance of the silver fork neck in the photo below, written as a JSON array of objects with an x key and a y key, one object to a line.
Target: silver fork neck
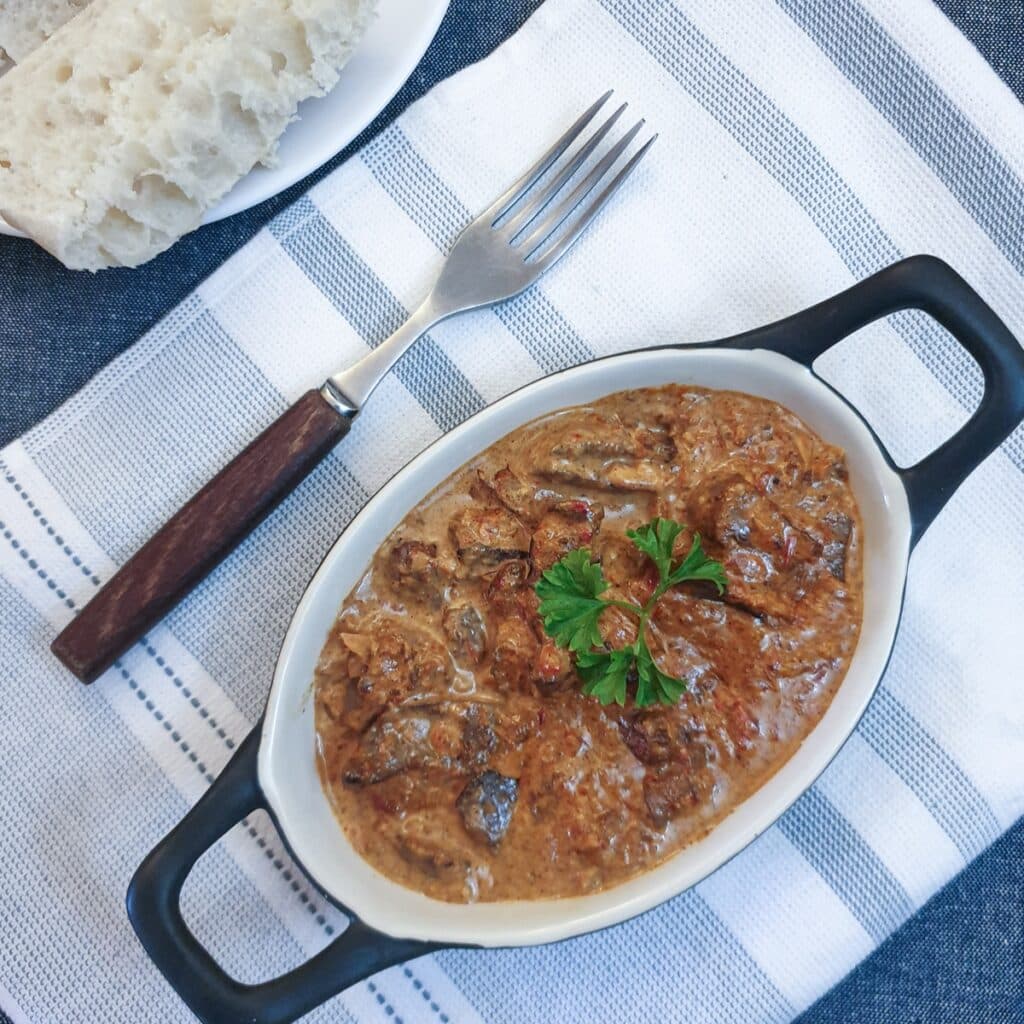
[{"x": 348, "y": 390}]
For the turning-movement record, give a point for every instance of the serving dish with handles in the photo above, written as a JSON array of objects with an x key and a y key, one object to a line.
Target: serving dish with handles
[{"x": 274, "y": 769}]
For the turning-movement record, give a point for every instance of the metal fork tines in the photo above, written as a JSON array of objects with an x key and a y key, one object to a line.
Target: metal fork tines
[{"x": 523, "y": 233}]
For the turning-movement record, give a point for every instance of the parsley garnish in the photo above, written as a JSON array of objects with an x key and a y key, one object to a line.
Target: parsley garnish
[{"x": 571, "y": 604}]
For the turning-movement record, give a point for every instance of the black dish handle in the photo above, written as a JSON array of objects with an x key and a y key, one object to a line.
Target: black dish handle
[
  {"x": 213, "y": 995},
  {"x": 928, "y": 284}
]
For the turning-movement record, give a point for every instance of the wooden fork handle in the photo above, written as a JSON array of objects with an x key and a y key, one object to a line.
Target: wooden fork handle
[{"x": 199, "y": 536}]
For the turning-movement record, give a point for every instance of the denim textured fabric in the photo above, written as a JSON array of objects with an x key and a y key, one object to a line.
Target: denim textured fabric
[
  {"x": 960, "y": 959},
  {"x": 996, "y": 27}
]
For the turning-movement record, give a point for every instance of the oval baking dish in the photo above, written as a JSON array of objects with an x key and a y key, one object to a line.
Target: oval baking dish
[{"x": 275, "y": 767}]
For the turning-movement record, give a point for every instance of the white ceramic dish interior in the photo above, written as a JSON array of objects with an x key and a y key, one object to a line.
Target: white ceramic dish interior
[
  {"x": 384, "y": 59},
  {"x": 287, "y": 769}
]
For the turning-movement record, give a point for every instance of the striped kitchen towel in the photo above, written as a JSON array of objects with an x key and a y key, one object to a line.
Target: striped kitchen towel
[{"x": 803, "y": 145}]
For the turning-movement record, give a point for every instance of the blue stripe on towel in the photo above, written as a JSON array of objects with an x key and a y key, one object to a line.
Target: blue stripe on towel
[
  {"x": 930, "y": 773},
  {"x": 786, "y": 153},
  {"x": 847, "y": 863},
  {"x": 418, "y": 190},
  {"x": 186, "y": 432},
  {"x": 543, "y": 331},
  {"x": 582, "y": 980},
  {"x": 217, "y": 622},
  {"x": 428, "y": 201},
  {"x": 939, "y": 132},
  {"x": 372, "y": 309}
]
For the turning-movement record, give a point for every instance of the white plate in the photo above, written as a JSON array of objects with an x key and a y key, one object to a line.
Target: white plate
[{"x": 384, "y": 59}]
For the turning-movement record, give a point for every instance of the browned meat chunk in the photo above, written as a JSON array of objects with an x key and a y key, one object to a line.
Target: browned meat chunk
[
  {"x": 467, "y": 632},
  {"x": 741, "y": 724},
  {"x": 567, "y": 526},
  {"x": 622, "y": 561},
  {"x": 778, "y": 443},
  {"x": 416, "y": 572},
  {"x": 400, "y": 665},
  {"x": 612, "y": 475},
  {"x": 580, "y": 783},
  {"x": 594, "y": 434},
  {"x": 638, "y": 475},
  {"x": 618, "y": 629},
  {"x": 448, "y": 736},
  {"x": 425, "y": 840},
  {"x": 486, "y": 806},
  {"x": 672, "y": 787},
  {"x": 655, "y": 442},
  {"x": 486, "y": 537},
  {"x": 518, "y": 496},
  {"x": 601, "y": 451},
  {"x": 648, "y": 734},
  {"x": 769, "y": 563},
  {"x": 480, "y": 736},
  {"x": 515, "y": 647},
  {"x": 508, "y": 580},
  {"x": 513, "y": 493},
  {"x": 380, "y": 671},
  {"x": 751, "y": 589},
  {"x": 349, "y": 657},
  {"x": 507, "y": 592},
  {"x": 732, "y": 512},
  {"x": 667, "y": 792},
  {"x": 699, "y": 439},
  {"x": 341, "y": 666},
  {"x": 399, "y": 741},
  {"x": 678, "y": 754}
]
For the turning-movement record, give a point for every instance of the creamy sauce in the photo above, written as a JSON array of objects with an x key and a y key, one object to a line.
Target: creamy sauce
[{"x": 453, "y": 740}]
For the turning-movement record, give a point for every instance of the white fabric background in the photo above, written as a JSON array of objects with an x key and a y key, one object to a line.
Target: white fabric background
[{"x": 802, "y": 146}]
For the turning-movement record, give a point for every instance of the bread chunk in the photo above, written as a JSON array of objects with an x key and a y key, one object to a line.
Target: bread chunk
[
  {"x": 137, "y": 116},
  {"x": 27, "y": 24}
]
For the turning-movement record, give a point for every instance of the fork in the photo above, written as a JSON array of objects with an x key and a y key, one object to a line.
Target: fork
[{"x": 522, "y": 234}]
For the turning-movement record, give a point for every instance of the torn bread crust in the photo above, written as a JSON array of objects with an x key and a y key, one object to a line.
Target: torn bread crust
[{"x": 139, "y": 115}]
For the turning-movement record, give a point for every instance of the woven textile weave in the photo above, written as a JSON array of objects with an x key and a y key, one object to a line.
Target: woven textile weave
[{"x": 802, "y": 146}]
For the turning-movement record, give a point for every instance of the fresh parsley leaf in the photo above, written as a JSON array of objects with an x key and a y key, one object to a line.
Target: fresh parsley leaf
[
  {"x": 571, "y": 605},
  {"x": 570, "y": 601},
  {"x": 656, "y": 540},
  {"x": 653, "y": 685},
  {"x": 697, "y": 566},
  {"x": 604, "y": 674}
]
